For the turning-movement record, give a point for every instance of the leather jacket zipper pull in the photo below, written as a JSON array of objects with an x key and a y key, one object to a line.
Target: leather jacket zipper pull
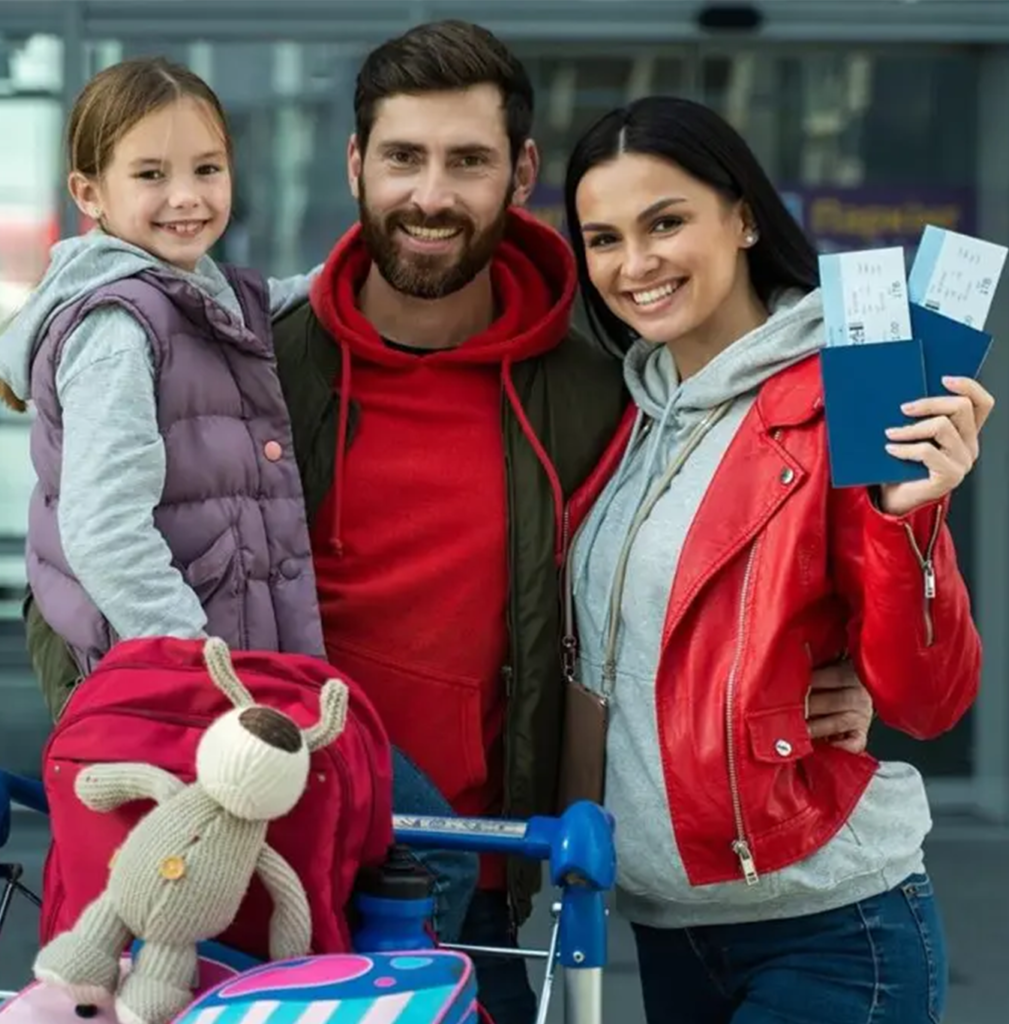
[{"x": 741, "y": 848}]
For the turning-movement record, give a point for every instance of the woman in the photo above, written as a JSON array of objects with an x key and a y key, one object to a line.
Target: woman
[{"x": 768, "y": 878}]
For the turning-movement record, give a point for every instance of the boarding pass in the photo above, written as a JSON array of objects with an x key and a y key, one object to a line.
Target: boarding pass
[
  {"x": 956, "y": 275},
  {"x": 865, "y": 297}
]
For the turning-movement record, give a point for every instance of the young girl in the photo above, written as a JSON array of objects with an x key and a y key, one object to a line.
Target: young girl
[
  {"x": 168, "y": 498},
  {"x": 169, "y": 501},
  {"x": 768, "y": 878}
]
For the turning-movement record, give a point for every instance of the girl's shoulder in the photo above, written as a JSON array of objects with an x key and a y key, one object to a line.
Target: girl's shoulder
[{"x": 106, "y": 332}]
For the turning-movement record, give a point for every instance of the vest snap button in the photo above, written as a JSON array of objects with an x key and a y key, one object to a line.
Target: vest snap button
[
  {"x": 787, "y": 475},
  {"x": 783, "y": 748},
  {"x": 273, "y": 451}
]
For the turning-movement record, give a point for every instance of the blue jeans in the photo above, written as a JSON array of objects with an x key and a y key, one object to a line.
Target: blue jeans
[
  {"x": 881, "y": 961},
  {"x": 455, "y": 874},
  {"x": 502, "y": 982}
]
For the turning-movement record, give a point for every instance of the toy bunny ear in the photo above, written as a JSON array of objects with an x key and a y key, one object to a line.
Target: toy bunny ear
[
  {"x": 217, "y": 657},
  {"x": 333, "y": 702}
]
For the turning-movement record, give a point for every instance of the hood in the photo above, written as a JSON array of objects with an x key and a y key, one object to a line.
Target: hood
[
  {"x": 77, "y": 267},
  {"x": 793, "y": 331},
  {"x": 534, "y": 279}
]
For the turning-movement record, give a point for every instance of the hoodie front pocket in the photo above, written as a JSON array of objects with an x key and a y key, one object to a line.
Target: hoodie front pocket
[{"x": 434, "y": 718}]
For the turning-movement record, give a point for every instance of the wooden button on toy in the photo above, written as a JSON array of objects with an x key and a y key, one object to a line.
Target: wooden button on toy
[{"x": 172, "y": 868}]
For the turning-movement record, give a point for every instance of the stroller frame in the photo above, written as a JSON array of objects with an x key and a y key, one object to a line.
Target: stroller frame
[{"x": 578, "y": 847}]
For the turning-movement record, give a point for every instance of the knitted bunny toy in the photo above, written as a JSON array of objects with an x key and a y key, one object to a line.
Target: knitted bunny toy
[{"x": 183, "y": 871}]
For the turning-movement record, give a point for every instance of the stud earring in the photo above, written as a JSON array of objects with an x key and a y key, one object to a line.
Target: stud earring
[{"x": 751, "y": 237}]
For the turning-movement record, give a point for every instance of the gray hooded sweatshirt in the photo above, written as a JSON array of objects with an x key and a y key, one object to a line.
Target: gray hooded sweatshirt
[
  {"x": 105, "y": 383},
  {"x": 880, "y": 845}
]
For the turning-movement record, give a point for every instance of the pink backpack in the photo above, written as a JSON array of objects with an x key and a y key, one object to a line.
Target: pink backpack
[{"x": 149, "y": 701}]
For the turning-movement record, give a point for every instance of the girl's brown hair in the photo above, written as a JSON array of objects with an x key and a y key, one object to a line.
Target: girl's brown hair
[{"x": 120, "y": 97}]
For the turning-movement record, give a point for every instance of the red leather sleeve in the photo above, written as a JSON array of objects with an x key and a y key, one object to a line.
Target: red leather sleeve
[{"x": 910, "y": 634}]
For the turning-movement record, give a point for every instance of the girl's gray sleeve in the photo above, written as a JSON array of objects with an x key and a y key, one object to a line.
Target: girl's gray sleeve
[
  {"x": 288, "y": 292},
  {"x": 113, "y": 477}
]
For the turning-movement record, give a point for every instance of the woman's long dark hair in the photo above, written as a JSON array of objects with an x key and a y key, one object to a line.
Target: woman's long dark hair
[{"x": 708, "y": 148}]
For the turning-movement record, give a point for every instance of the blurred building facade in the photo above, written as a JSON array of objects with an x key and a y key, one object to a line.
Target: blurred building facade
[{"x": 873, "y": 117}]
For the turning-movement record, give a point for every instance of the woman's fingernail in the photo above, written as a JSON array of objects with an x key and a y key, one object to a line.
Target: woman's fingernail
[
  {"x": 909, "y": 407},
  {"x": 892, "y": 431},
  {"x": 892, "y": 448}
]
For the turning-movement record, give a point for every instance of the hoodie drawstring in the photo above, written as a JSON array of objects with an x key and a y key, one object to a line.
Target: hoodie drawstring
[
  {"x": 595, "y": 520},
  {"x": 541, "y": 454},
  {"x": 646, "y": 477},
  {"x": 341, "y": 447},
  {"x": 643, "y": 506}
]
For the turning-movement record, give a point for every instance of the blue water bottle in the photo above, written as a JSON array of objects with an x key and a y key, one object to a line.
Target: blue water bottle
[{"x": 394, "y": 905}]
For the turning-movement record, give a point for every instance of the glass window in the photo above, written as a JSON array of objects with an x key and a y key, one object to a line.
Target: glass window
[
  {"x": 30, "y": 185},
  {"x": 866, "y": 149},
  {"x": 30, "y": 124},
  {"x": 574, "y": 90}
]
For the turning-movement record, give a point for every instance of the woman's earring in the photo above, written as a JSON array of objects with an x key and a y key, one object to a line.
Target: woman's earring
[{"x": 751, "y": 237}]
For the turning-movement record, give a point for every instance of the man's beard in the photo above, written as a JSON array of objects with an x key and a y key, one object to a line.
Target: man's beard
[{"x": 428, "y": 276}]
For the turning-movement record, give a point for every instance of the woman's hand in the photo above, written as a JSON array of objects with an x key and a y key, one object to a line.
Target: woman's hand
[
  {"x": 839, "y": 708},
  {"x": 945, "y": 440}
]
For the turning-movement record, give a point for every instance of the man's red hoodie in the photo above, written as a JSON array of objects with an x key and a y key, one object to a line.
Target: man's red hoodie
[{"x": 411, "y": 545}]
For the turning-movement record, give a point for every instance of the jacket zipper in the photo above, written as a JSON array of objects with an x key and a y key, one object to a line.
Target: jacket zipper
[
  {"x": 569, "y": 642},
  {"x": 740, "y": 845},
  {"x": 565, "y": 531},
  {"x": 928, "y": 572},
  {"x": 508, "y": 671}
]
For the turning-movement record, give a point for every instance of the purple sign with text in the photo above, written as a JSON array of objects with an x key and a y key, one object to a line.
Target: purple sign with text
[{"x": 847, "y": 219}]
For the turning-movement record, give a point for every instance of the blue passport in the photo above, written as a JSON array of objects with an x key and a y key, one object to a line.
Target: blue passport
[
  {"x": 864, "y": 387},
  {"x": 950, "y": 348}
]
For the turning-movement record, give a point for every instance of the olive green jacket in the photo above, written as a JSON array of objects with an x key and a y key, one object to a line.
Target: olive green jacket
[{"x": 573, "y": 397}]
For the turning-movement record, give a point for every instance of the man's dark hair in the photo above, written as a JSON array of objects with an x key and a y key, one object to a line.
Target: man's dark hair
[{"x": 445, "y": 56}]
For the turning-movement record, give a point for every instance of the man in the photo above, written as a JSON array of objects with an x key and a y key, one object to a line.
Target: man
[{"x": 443, "y": 413}]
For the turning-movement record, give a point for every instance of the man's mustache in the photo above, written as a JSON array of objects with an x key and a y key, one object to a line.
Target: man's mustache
[{"x": 442, "y": 220}]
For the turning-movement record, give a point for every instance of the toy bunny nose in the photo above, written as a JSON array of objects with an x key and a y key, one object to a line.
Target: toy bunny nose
[{"x": 272, "y": 728}]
